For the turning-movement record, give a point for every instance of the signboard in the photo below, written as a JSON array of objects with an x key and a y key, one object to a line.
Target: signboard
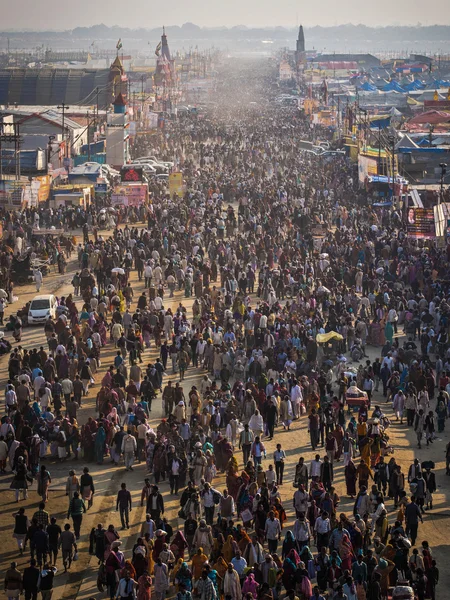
[
  {"x": 420, "y": 223},
  {"x": 43, "y": 191},
  {"x": 101, "y": 188},
  {"x": 131, "y": 174},
  {"x": 176, "y": 184},
  {"x": 130, "y": 195},
  {"x": 11, "y": 193},
  {"x": 366, "y": 168}
]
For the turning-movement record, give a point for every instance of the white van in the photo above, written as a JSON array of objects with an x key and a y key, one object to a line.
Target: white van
[{"x": 42, "y": 308}]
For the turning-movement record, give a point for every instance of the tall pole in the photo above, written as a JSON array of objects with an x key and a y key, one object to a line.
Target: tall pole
[
  {"x": 88, "y": 137},
  {"x": 1, "y": 152},
  {"x": 64, "y": 107},
  {"x": 443, "y": 172},
  {"x": 17, "y": 147},
  {"x": 393, "y": 165},
  {"x": 379, "y": 150},
  {"x": 142, "y": 97}
]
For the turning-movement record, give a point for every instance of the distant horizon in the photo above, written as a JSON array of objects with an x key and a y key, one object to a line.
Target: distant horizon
[{"x": 290, "y": 27}]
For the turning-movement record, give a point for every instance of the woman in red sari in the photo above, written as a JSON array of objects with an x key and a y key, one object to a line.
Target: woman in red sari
[
  {"x": 346, "y": 553},
  {"x": 338, "y": 434}
]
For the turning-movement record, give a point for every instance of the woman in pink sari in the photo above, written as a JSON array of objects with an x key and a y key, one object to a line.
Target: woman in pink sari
[
  {"x": 346, "y": 553},
  {"x": 102, "y": 331}
]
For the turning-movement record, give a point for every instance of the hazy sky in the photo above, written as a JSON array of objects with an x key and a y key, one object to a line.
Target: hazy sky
[{"x": 48, "y": 14}]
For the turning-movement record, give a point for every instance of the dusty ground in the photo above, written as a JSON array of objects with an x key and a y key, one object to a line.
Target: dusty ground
[{"x": 81, "y": 581}]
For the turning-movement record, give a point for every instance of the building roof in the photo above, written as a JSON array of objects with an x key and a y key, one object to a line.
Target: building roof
[
  {"x": 52, "y": 117},
  {"x": 361, "y": 59},
  {"x": 54, "y": 86}
]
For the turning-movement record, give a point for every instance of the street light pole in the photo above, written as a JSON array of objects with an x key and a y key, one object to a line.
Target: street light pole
[
  {"x": 443, "y": 172},
  {"x": 64, "y": 107}
]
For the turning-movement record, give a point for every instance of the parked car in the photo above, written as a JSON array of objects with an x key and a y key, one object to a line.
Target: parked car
[{"x": 42, "y": 308}]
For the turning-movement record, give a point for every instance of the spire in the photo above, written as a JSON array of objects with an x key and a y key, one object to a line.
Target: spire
[
  {"x": 117, "y": 64},
  {"x": 300, "y": 40},
  {"x": 165, "y": 52}
]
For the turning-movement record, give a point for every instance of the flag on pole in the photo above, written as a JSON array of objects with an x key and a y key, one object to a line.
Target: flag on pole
[
  {"x": 158, "y": 49},
  {"x": 119, "y": 44}
]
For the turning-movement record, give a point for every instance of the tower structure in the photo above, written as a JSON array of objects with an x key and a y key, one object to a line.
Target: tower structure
[
  {"x": 117, "y": 135},
  {"x": 300, "y": 55}
]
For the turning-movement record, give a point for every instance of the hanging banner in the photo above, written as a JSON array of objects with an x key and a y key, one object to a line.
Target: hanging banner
[
  {"x": 130, "y": 195},
  {"x": 366, "y": 167},
  {"x": 420, "y": 223},
  {"x": 176, "y": 184}
]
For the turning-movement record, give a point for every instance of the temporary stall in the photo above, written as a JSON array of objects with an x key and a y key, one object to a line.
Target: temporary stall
[
  {"x": 130, "y": 194},
  {"x": 71, "y": 195}
]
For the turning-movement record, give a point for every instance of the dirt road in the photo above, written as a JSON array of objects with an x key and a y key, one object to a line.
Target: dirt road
[{"x": 81, "y": 581}]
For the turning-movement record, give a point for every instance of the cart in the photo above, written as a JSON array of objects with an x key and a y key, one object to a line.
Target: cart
[
  {"x": 401, "y": 592},
  {"x": 356, "y": 398}
]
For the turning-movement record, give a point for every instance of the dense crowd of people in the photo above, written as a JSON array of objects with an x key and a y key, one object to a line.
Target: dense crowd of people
[{"x": 277, "y": 248}]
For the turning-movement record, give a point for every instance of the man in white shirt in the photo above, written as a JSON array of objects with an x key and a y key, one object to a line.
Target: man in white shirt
[
  {"x": 207, "y": 497},
  {"x": 300, "y": 501},
  {"x": 314, "y": 469},
  {"x": 38, "y": 382},
  {"x": 127, "y": 587},
  {"x": 129, "y": 449},
  {"x": 273, "y": 532},
  {"x": 240, "y": 564},
  {"x": 389, "y": 361},
  {"x": 142, "y": 429},
  {"x": 322, "y": 529},
  {"x": 296, "y": 398},
  {"x": 302, "y": 531},
  {"x": 67, "y": 388}
]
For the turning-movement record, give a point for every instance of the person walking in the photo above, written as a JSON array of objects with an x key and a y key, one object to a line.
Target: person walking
[
  {"x": 123, "y": 503},
  {"x": 54, "y": 532},
  {"x": 155, "y": 504},
  {"x": 31, "y": 580},
  {"x": 279, "y": 457},
  {"x": 38, "y": 278},
  {"x": 68, "y": 545},
  {"x": 43, "y": 483},
  {"x": 87, "y": 488},
  {"x": 20, "y": 528},
  {"x": 46, "y": 581},
  {"x": 272, "y": 531},
  {"x": 13, "y": 582},
  {"x": 76, "y": 509},
  {"x": 129, "y": 447},
  {"x": 412, "y": 517},
  {"x": 126, "y": 589},
  {"x": 246, "y": 439}
]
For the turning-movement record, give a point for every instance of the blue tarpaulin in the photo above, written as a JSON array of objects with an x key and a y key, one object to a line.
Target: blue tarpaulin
[
  {"x": 368, "y": 87},
  {"x": 393, "y": 86},
  {"x": 380, "y": 123}
]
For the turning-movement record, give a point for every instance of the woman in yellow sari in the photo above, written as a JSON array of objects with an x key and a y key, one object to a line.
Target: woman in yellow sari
[
  {"x": 229, "y": 549},
  {"x": 220, "y": 566},
  {"x": 244, "y": 541},
  {"x": 148, "y": 543},
  {"x": 175, "y": 570}
]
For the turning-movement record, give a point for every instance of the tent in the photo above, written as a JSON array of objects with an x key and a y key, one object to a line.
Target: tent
[
  {"x": 432, "y": 117},
  {"x": 368, "y": 87},
  {"x": 414, "y": 86},
  {"x": 393, "y": 86},
  {"x": 406, "y": 142}
]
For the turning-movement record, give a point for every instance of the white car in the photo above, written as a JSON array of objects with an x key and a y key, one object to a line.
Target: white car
[{"x": 42, "y": 308}]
